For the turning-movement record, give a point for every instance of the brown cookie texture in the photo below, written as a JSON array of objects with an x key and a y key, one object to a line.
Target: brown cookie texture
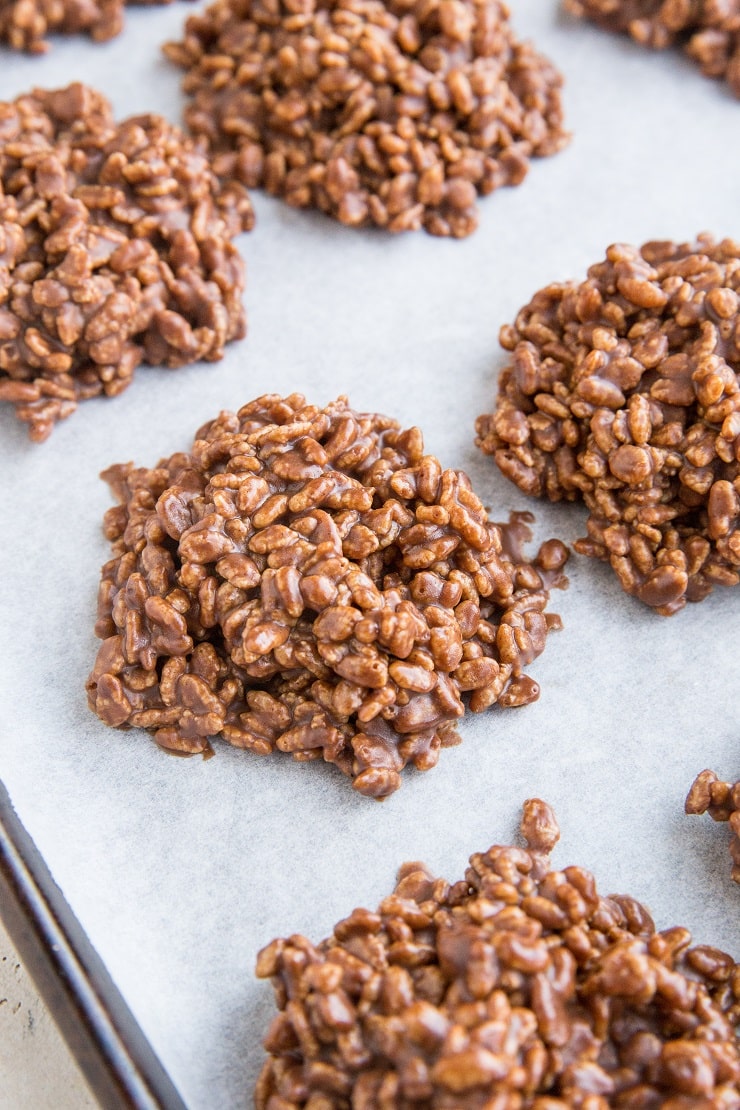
[
  {"x": 115, "y": 248},
  {"x": 707, "y": 30},
  {"x": 517, "y": 988},
  {"x": 307, "y": 579},
  {"x": 25, "y": 24},
  {"x": 721, "y": 800},
  {"x": 391, "y": 114},
  {"x": 623, "y": 391}
]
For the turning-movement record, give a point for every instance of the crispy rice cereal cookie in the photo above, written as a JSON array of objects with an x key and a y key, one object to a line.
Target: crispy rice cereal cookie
[
  {"x": 722, "y": 801},
  {"x": 309, "y": 580},
  {"x": 707, "y": 30},
  {"x": 24, "y": 24},
  {"x": 624, "y": 391},
  {"x": 389, "y": 113},
  {"x": 517, "y": 988},
  {"x": 115, "y": 247}
]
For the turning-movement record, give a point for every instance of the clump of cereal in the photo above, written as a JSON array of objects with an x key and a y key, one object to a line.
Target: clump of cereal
[
  {"x": 624, "y": 391},
  {"x": 517, "y": 987},
  {"x": 24, "y": 24},
  {"x": 721, "y": 800},
  {"x": 377, "y": 112},
  {"x": 309, "y": 580},
  {"x": 707, "y": 30},
  {"x": 115, "y": 247}
]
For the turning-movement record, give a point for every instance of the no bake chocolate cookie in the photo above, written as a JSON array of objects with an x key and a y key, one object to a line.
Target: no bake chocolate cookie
[
  {"x": 517, "y": 988},
  {"x": 307, "y": 579},
  {"x": 25, "y": 24},
  {"x": 392, "y": 114},
  {"x": 707, "y": 30},
  {"x": 721, "y": 800},
  {"x": 115, "y": 248},
  {"x": 624, "y": 391}
]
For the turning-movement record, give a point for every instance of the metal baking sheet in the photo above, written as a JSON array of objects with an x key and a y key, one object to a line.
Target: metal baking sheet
[
  {"x": 118, "y": 1063},
  {"x": 180, "y": 870}
]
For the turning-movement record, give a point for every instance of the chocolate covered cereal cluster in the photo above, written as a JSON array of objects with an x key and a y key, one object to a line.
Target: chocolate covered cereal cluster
[
  {"x": 707, "y": 30},
  {"x": 517, "y": 987},
  {"x": 721, "y": 800},
  {"x": 624, "y": 391},
  {"x": 377, "y": 112},
  {"x": 24, "y": 24},
  {"x": 115, "y": 247},
  {"x": 310, "y": 580}
]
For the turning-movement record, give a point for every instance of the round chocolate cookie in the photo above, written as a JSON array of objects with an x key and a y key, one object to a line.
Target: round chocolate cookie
[
  {"x": 309, "y": 580},
  {"x": 387, "y": 113},
  {"x": 24, "y": 24},
  {"x": 721, "y": 800},
  {"x": 115, "y": 247},
  {"x": 707, "y": 30},
  {"x": 517, "y": 988},
  {"x": 624, "y": 391}
]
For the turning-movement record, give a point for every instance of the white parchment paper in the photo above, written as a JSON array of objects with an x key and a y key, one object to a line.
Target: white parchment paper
[{"x": 180, "y": 870}]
